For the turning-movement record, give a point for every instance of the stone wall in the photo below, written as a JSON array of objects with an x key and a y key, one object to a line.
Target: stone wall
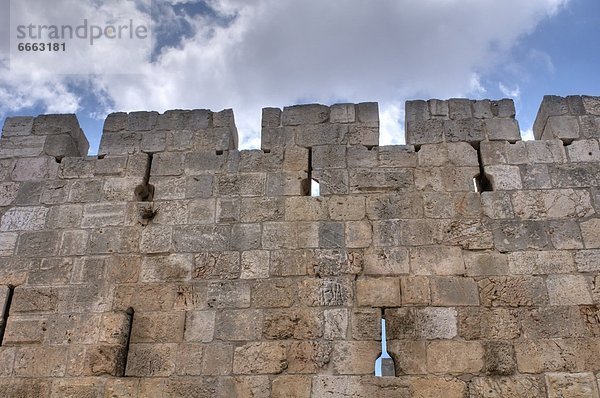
[{"x": 173, "y": 264}]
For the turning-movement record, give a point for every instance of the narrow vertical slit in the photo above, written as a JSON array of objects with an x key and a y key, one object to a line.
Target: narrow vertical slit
[
  {"x": 5, "y": 311},
  {"x": 312, "y": 187},
  {"x": 130, "y": 313},
  {"x": 309, "y": 173},
  {"x": 384, "y": 365},
  {"x": 481, "y": 181},
  {"x": 145, "y": 191}
]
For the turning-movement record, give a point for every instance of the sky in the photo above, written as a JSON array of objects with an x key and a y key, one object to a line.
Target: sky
[{"x": 250, "y": 54}]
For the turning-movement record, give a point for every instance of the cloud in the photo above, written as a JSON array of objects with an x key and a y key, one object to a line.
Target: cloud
[
  {"x": 511, "y": 93},
  {"x": 250, "y": 54}
]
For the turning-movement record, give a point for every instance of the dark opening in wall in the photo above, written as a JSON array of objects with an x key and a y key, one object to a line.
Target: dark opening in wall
[
  {"x": 145, "y": 191},
  {"x": 130, "y": 313},
  {"x": 481, "y": 181},
  {"x": 312, "y": 184},
  {"x": 4, "y": 312},
  {"x": 219, "y": 153}
]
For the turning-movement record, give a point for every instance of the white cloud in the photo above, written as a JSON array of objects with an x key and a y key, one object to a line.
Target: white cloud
[
  {"x": 511, "y": 93},
  {"x": 281, "y": 52},
  {"x": 475, "y": 86}
]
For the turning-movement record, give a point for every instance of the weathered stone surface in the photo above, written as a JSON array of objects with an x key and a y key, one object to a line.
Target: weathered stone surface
[
  {"x": 260, "y": 358},
  {"x": 572, "y": 385},
  {"x": 454, "y": 357},
  {"x": 454, "y": 291},
  {"x": 229, "y": 280},
  {"x": 507, "y": 387},
  {"x": 513, "y": 291}
]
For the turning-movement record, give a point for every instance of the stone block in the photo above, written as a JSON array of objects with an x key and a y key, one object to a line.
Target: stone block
[
  {"x": 335, "y": 324},
  {"x": 331, "y": 234},
  {"x": 238, "y": 325},
  {"x": 24, "y": 329},
  {"x": 217, "y": 359},
  {"x": 568, "y": 290},
  {"x": 190, "y": 360},
  {"x": 556, "y": 355},
  {"x": 291, "y": 385},
  {"x": 8, "y": 242},
  {"x": 228, "y": 294},
  {"x": 354, "y": 357},
  {"x": 540, "y": 262},
  {"x": 502, "y": 129},
  {"x": 324, "y": 292},
  {"x": 151, "y": 360},
  {"x": 308, "y": 356},
  {"x": 391, "y": 156},
  {"x": 588, "y": 260},
  {"x": 415, "y": 290},
  {"x": 199, "y": 326},
  {"x": 499, "y": 358},
  {"x": 173, "y": 267},
  {"x": 454, "y": 291},
  {"x": 572, "y": 175},
  {"x": 156, "y": 239},
  {"x": 503, "y": 177},
  {"x": 200, "y": 186},
  {"x": 271, "y": 117},
  {"x": 572, "y": 385},
  {"x": 591, "y": 104},
  {"x": 8, "y": 193},
  {"x": 590, "y": 231},
  {"x": 366, "y": 324},
  {"x": 475, "y": 323},
  {"x": 546, "y": 151},
  {"x": 304, "y": 114},
  {"x": 396, "y": 205},
  {"x": 38, "y": 243},
  {"x": 420, "y": 132},
  {"x": 293, "y": 323},
  {"x": 381, "y": 180},
  {"x": 378, "y": 292},
  {"x": 513, "y": 291},
  {"x": 561, "y": 127},
  {"x": 507, "y": 387},
  {"x": 584, "y": 151},
  {"x": 201, "y": 238},
  {"x": 22, "y": 146},
  {"x": 287, "y": 183},
  {"x": 555, "y": 321},
  {"x": 565, "y": 234},
  {"x": 146, "y": 297},
  {"x": 273, "y": 292},
  {"x": 17, "y": 126},
  {"x": 485, "y": 263},
  {"x": 459, "y": 108},
  {"x": 260, "y": 358},
  {"x": 455, "y": 357},
  {"x": 216, "y": 265},
  {"x": 40, "y": 362},
  {"x": 436, "y": 260},
  {"x": 464, "y": 130},
  {"x": 516, "y": 235},
  {"x": 452, "y": 205},
  {"x": 386, "y": 261},
  {"x": 24, "y": 219}
]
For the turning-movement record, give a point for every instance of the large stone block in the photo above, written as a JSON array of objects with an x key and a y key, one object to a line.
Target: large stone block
[{"x": 455, "y": 357}]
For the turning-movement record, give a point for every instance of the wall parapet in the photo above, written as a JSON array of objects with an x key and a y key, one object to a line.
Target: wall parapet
[{"x": 174, "y": 264}]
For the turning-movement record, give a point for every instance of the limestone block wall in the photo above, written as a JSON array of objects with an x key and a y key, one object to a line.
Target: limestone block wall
[{"x": 173, "y": 264}]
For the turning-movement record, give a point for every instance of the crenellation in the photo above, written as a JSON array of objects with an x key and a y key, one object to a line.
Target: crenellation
[{"x": 174, "y": 263}]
